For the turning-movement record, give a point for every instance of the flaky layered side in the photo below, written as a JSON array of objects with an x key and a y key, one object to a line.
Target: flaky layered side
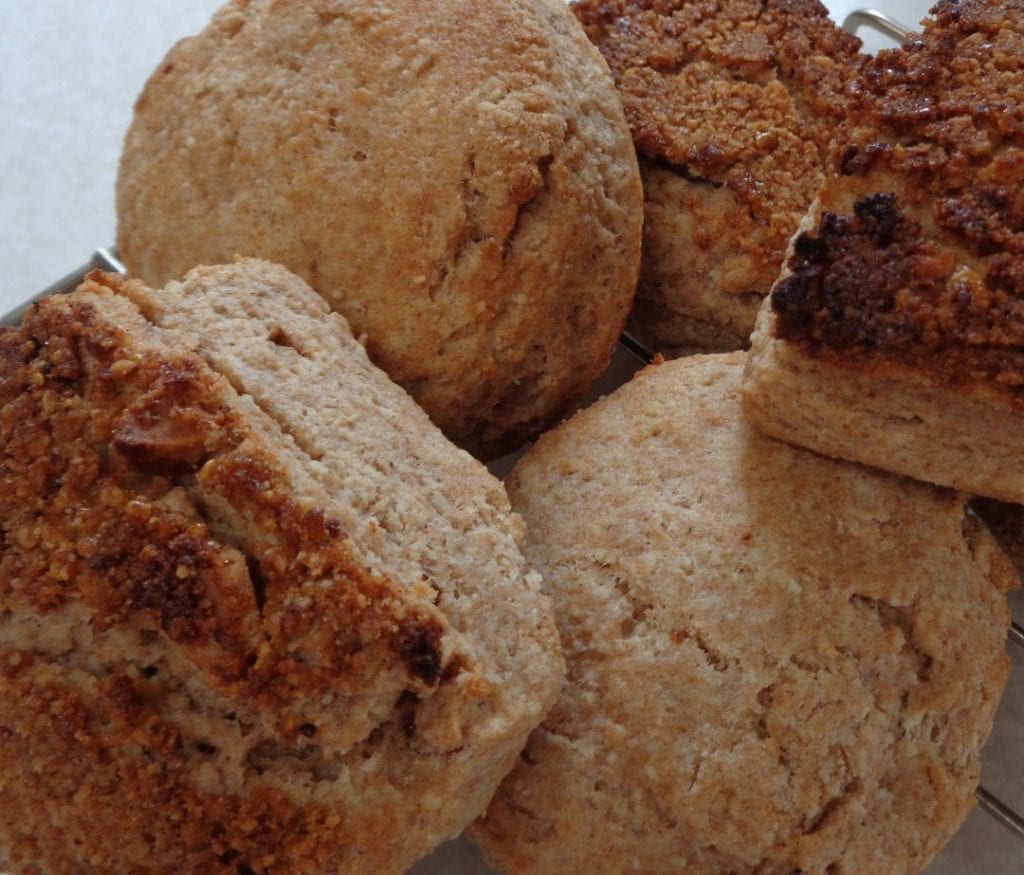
[
  {"x": 263, "y": 620},
  {"x": 777, "y": 662}
]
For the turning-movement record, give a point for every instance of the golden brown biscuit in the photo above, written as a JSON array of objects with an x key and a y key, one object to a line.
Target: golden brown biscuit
[
  {"x": 896, "y": 337},
  {"x": 238, "y": 631},
  {"x": 732, "y": 106},
  {"x": 777, "y": 662},
  {"x": 455, "y": 176}
]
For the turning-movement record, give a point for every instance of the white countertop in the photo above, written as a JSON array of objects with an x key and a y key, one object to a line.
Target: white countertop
[{"x": 70, "y": 73}]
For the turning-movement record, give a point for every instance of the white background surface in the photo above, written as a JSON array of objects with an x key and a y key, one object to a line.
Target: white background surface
[{"x": 70, "y": 72}]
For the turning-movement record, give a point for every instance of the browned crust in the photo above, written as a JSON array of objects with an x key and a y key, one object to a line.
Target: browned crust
[
  {"x": 917, "y": 256},
  {"x": 874, "y": 282},
  {"x": 946, "y": 105},
  {"x": 739, "y": 99},
  {"x": 90, "y": 428},
  {"x": 649, "y": 46},
  {"x": 108, "y": 440}
]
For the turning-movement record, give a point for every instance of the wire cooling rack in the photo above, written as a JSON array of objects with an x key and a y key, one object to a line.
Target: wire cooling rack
[{"x": 631, "y": 354}]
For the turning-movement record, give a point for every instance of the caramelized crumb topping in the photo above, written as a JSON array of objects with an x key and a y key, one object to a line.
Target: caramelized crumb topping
[
  {"x": 918, "y": 298},
  {"x": 733, "y": 105},
  {"x": 126, "y": 466},
  {"x": 919, "y": 252},
  {"x": 144, "y": 507},
  {"x": 946, "y": 106},
  {"x": 700, "y": 80}
]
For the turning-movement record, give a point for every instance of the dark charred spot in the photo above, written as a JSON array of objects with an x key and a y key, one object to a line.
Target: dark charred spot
[
  {"x": 882, "y": 216},
  {"x": 859, "y": 160},
  {"x": 406, "y": 708},
  {"x": 308, "y": 729},
  {"x": 809, "y": 248},
  {"x": 206, "y": 749},
  {"x": 790, "y": 300},
  {"x": 832, "y": 225},
  {"x": 421, "y": 652},
  {"x": 149, "y": 672},
  {"x": 258, "y": 580}
]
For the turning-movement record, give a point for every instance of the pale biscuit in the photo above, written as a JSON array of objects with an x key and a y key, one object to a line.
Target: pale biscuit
[
  {"x": 777, "y": 662},
  {"x": 455, "y": 176}
]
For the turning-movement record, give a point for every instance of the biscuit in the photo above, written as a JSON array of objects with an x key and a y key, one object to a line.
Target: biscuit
[
  {"x": 732, "y": 106},
  {"x": 777, "y": 662},
  {"x": 256, "y": 613},
  {"x": 900, "y": 320},
  {"x": 456, "y": 177}
]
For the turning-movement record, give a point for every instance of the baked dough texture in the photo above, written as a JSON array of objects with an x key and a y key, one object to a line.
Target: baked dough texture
[
  {"x": 777, "y": 662},
  {"x": 733, "y": 105},
  {"x": 256, "y": 613},
  {"x": 455, "y": 176},
  {"x": 901, "y": 314}
]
